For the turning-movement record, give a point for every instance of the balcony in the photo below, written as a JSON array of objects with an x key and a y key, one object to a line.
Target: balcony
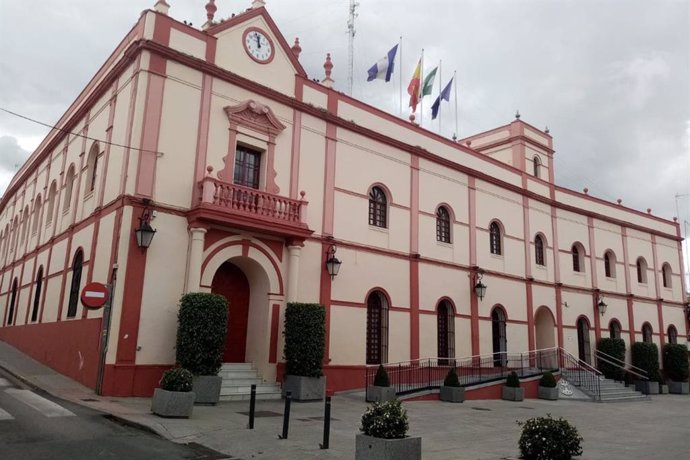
[{"x": 251, "y": 209}]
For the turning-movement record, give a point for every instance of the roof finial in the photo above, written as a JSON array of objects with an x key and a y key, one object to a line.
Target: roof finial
[
  {"x": 211, "y": 9},
  {"x": 161, "y": 7},
  {"x": 517, "y": 114},
  {"x": 328, "y": 67},
  {"x": 258, "y": 4},
  {"x": 546, "y": 130},
  {"x": 296, "y": 49}
]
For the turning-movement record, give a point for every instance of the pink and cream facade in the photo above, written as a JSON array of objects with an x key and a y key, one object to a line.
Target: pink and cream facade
[{"x": 252, "y": 171}]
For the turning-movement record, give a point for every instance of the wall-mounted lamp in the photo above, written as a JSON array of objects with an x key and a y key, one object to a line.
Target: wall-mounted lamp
[
  {"x": 332, "y": 263},
  {"x": 479, "y": 287},
  {"x": 145, "y": 232},
  {"x": 601, "y": 305}
]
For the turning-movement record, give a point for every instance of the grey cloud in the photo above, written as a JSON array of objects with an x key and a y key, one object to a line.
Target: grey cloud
[{"x": 11, "y": 154}]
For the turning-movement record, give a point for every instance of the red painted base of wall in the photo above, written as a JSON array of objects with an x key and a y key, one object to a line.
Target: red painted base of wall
[
  {"x": 338, "y": 377},
  {"x": 131, "y": 379},
  {"x": 493, "y": 391},
  {"x": 69, "y": 347}
]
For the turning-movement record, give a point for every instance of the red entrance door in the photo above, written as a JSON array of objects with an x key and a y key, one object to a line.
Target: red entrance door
[{"x": 230, "y": 282}]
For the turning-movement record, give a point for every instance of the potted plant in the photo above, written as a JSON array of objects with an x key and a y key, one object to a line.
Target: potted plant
[
  {"x": 175, "y": 397},
  {"x": 201, "y": 330},
  {"x": 512, "y": 390},
  {"x": 663, "y": 387},
  {"x": 548, "y": 387},
  {"x": 544, "y": 438},
  {"x": 676, "y": 368},
  {"x": 451, "y": 390},
  {"x": 382, "y": 390},
  {"x": 646, "y": 357},
  {"x": 616, "y": 349},
  {"x": 384, "y": 428},
  {"x": 304, "y": 349}
]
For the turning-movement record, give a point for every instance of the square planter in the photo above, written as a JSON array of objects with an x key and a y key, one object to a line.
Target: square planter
[
  {"x": 679, "y": 388},
  {"x": 548, "y": 393},
  {"x": 452, "y": 394},
  {"x": 304, "y": 388},
  {"x": 172, "y": 403},
  {"x": 513, "y": 394},
  {"x": 207, "y": 389},
  {"x": 646, "y": 387},
  {"x": 368, "y": 447},
  {"x": 663, "y": 389},
  {"x": 380, "y": 394}
]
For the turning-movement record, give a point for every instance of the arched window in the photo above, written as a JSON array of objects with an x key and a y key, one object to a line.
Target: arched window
[
  {"x": 495, "y": 238},
  {"x": 609, "y": 264},
  {"x": 578, "y": 258},
  {"x": 615, "y": 329},
  {"x": 377, "y": 328},
  {"x": 25, "y": 224},
  {"x": 499, "y": 336},
  {"x": 76, "y": 283},
  {"x": 13, "y": 300},
  {"x": 672, "y": 334},
  {"x": 583, "y": 346},
  {"x": 443, "y": 225},
  {"x": 37, "y": 294},
  {"x": 378, "y": 208},
  {"x": 52, "y": 196},
  {"x": 641, "y": 270},
  {"x": 37, "y": 214},
  {"x": 666, "y": 275},
  {"x": 537, "y": 166},
  {"x": 647, "y": 333},
  {"x": 445, "y": 321},
  {"x": 91, "y": 169},
  {"x": 69, "y": 185},
  {"x": 539, "y": 250}
]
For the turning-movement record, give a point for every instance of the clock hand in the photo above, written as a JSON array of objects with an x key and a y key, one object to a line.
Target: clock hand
[{"x": 258, "y": 41}]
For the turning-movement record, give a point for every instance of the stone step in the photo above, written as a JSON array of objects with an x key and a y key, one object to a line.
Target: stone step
[
  {"x": 246, "y": 397},
  {"x": 242, "y": 382},
  {"x": 638, "y": 397},
  {"x": 237, "y": 366},
  {"x": 238, "y": 374},
  {"x": 245, "y": 389}
]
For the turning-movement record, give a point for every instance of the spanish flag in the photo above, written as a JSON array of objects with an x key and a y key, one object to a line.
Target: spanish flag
[{"x": 414, "y": 86}]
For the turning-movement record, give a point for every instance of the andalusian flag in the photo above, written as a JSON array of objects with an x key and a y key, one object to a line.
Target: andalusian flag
[
  {"x": 413, "y": 87},
  {"x": 428, "y": 83}
]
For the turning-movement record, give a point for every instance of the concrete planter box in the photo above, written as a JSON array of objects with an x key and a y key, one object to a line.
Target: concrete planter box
[
  {"x": 370, "y": 448},
  {"x": 172, "y": 403},
  {"x": 513, "y": 394},
  {"x": 304, "y": 388},
  {"x": 207, "y": 389},
  {"x": 663, "y": 389},
  {"x": 647, "y": 388},
  {"x": 548, "y": 393},
  {"x": 452, "y": 394},
  {"x": 679, "y": 388},
  {"x": 380, "y": 394}
]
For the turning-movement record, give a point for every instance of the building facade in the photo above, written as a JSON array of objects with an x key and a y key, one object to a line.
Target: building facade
[{"x": 251, "y": 173}]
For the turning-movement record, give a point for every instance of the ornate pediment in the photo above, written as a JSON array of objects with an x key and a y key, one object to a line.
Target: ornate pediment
[{"x": 256, "y": 116}]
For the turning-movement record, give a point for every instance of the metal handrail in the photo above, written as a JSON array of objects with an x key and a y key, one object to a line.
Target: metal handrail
[
  {"x": 623, "y": 368},
  {"x": 622, "y": 364},
  {"x": 582, "y": 363}
]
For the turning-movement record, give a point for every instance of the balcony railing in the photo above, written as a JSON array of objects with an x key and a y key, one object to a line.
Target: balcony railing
[{"x": 254, "y": 203}]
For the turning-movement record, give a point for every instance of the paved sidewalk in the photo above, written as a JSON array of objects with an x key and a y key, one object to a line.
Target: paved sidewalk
[{"x": 659, "y": 428}]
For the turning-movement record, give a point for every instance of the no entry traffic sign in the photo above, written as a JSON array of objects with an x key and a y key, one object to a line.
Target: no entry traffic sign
[{"x": 94, "y": 295}]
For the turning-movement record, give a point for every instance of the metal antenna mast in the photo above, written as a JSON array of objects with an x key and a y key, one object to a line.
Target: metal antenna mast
[{"x": 351, "y": 45}]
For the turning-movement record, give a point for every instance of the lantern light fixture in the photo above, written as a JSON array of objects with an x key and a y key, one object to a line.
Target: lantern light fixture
[
  {"x": 144, "y": 233},
  {"x": 332, "y": 263}
]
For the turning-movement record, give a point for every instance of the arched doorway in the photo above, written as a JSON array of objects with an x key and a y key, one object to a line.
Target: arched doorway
[
  {"x": 544, "y": 329},
  {"x": 498, "y": 332},
  {"x": 377, "y": 328},
  {"x": 583, "y": 347},
  {"x": 231, "y": 282},
  {"x": 445, "y": 325}
]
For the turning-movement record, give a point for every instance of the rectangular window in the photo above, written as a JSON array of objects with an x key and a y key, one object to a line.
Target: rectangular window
[{"x": 247, "y": 167}]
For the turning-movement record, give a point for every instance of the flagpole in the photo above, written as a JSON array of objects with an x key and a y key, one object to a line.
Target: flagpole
[
  {"x": 455, "y": 81},
  {"x": 421, "y": 91},
  {"x": 440, "y": 90},
  {"x": 401, "y": 77}
]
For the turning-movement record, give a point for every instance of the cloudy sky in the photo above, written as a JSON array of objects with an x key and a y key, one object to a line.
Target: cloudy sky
[{"x": 610, "y": 78}]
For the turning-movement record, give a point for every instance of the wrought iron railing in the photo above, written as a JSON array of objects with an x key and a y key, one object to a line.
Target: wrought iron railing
[
  {"x": 581, "y": 374},
  {"x": 620, "y": 365}
]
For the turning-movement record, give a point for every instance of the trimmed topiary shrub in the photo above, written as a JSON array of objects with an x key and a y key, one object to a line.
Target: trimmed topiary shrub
[
  {"x": 451, "y": 379},
  {"x": 646, "y": 357},
  {"x": 177, "y": 379},
  {"x": 615, "y": 348},
  {"x": 513, "y": 380},
  {"x": 676, "y": 362},
  {"x": 381, "y": 378},
  {"x": 547, "y": 380},
  {"x": 545, "y": 438},
  {"x": 201, "y": 330},
  {"x": 305, "y": 333},
  {"x": 386, "y": 420}
]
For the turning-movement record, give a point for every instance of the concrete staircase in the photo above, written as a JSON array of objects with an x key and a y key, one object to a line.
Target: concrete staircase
[
  {"x": 237, "y": 381},
  {"x": 612, "y": 391}
]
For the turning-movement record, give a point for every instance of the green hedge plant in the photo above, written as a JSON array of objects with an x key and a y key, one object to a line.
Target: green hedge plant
[
  {"x": 545, "y": 438},
  {"x": 177, "y": 379},
  {"x": 305, "y": 333},
  {"x": 381, "y": 378},
  {"x": 201, "y": 330},
  {"x": 676, "y": 362},
  {"x": 646, "y": 357},
  {"x": 386, "y": 420},
  {"x": 451, "y": 379},
  {"x": 513, "y": 380},
  {"x": 547, "y": 380},
  {"x": 615, "y": 348}
]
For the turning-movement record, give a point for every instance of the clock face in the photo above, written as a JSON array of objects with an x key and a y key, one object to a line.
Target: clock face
[{"x": 258, "y": 45}]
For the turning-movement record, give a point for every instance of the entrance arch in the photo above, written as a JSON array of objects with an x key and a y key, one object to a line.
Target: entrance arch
[
  {"x": 544, "y": 326},
  {"x": 231, "y": 282},
  {"x": 583, "y": 346},
  {"x": 499, "y": 339}
]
